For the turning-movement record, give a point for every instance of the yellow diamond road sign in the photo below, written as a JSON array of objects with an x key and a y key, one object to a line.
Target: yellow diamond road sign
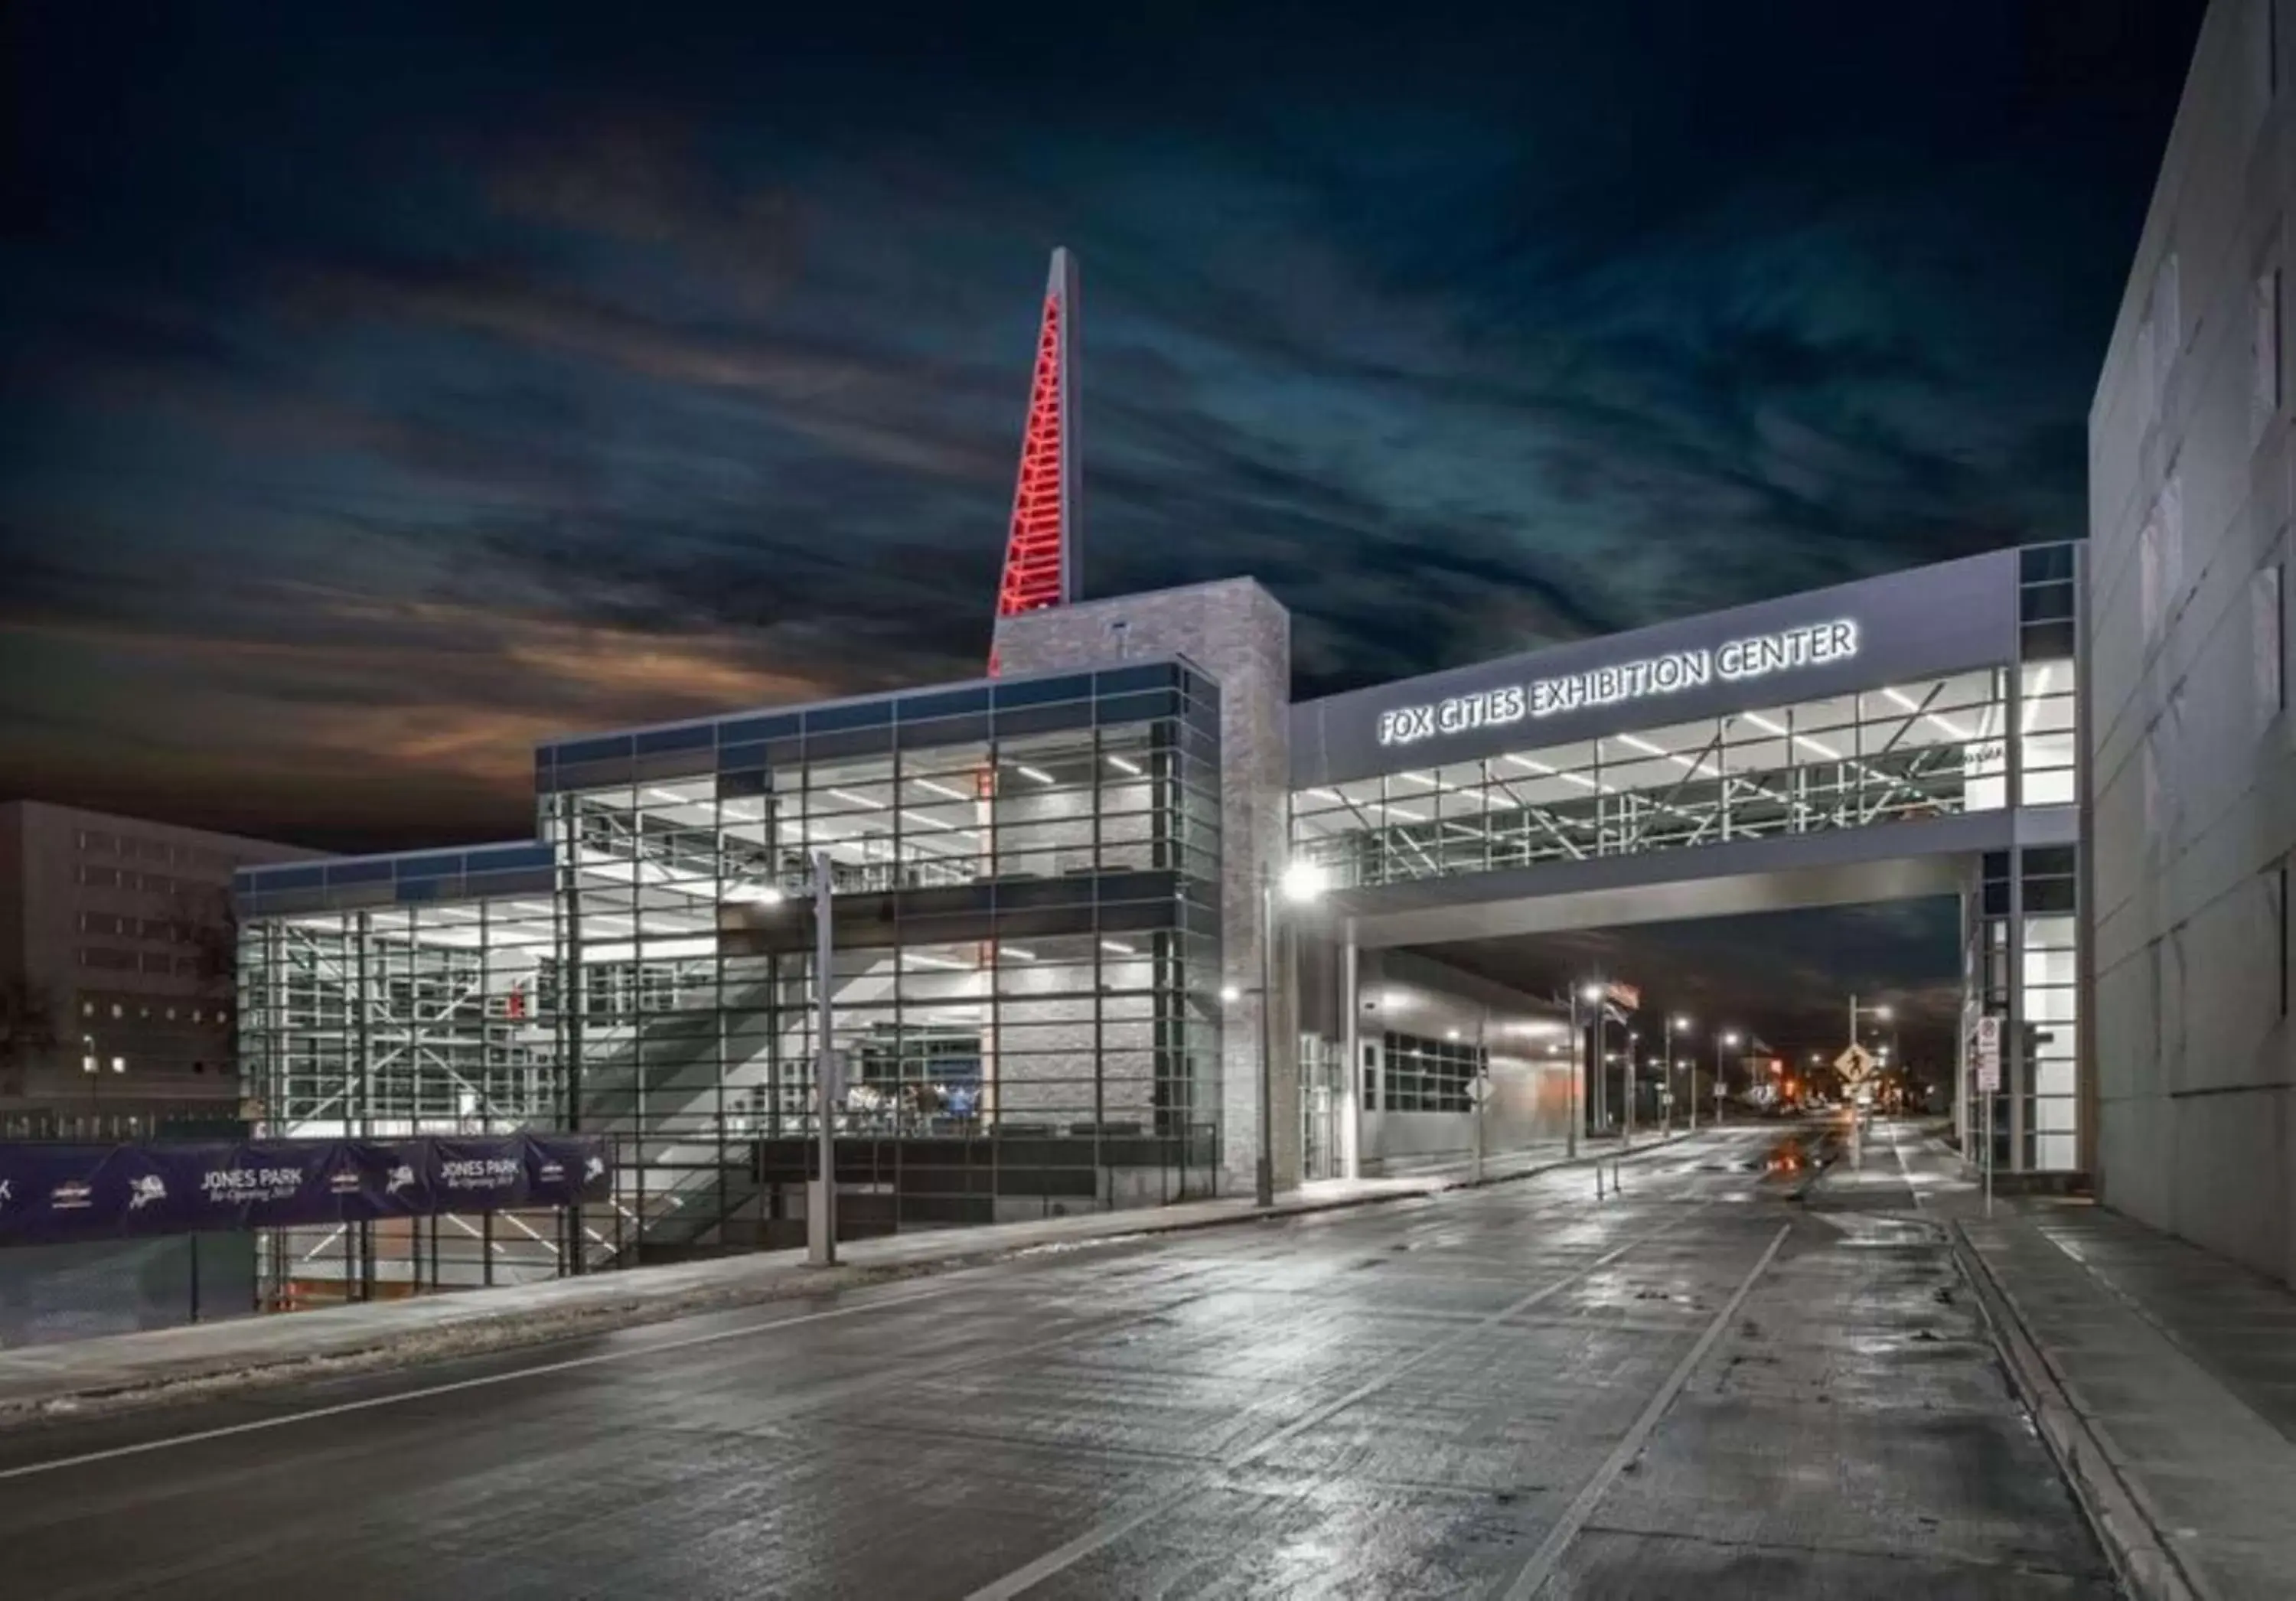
[{"x": 1855, "y": 1063}]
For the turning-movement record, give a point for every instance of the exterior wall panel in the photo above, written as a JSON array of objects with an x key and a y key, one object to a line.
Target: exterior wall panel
[{"x": 2194, "y": 794}]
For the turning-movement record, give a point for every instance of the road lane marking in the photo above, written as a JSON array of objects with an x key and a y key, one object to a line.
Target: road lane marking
[
  {"x": 1061, "y": 1557},
  {"x": 370, "y": 1403},
  {"x": 428, "y": 1392},
  {"x": 1541, "y": 1566}
]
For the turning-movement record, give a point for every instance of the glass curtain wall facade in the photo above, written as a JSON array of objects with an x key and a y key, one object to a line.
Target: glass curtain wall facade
[
  {"x": 1918, "y": 749},
  {"x": 1026, "y": 943},
  {"x": 404, "y": 994},
  {"x": 2022, "y": 916},
  {"x": 1025, "y": 940}
]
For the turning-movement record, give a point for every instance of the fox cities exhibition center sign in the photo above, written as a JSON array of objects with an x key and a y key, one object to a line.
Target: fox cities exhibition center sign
[{"x": 1756, "y": 657}]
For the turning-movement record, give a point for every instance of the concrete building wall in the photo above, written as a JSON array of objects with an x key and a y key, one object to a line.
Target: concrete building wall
[
  {"x": 1410, "y": 994},
  {"x": 120, "y": 926},
  {"x": 1236, "y": 631},
  {"x": 2194, "y": 766}
]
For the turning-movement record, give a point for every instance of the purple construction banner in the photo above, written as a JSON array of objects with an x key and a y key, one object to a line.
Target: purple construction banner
[{"x": 62, "y": 1192}]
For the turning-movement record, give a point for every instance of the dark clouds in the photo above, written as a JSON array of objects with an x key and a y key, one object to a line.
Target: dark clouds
[{"x": 386, "y": 387}]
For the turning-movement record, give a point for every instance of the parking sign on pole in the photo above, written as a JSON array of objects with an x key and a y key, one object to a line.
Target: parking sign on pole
[{"x": 1988, "y": 1056}]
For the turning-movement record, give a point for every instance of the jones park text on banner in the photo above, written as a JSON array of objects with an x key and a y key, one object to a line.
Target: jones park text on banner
[{"x": 63, "y": 1191}]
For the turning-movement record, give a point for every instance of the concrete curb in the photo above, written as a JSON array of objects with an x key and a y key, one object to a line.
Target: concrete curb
[
  {"x": 2145, "y": 1560},
  {"x": 381, "y": 1344}
]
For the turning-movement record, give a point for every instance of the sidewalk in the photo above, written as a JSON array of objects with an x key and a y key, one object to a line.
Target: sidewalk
[
  {"x": 123, "y": 1369},
  {"x": 2164, "y": 1378}
]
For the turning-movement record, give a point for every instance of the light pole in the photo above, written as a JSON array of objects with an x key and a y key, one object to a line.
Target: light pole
[
  {"x": 1678, "y": 1025},
  {"x": 1627, "y": 1131},
  {"x": 1591, "y": 994},
  {"x": 1728, "y": 1037},
  {"x": 820, "y": 1212},
  {"x": 1301, "y": 883},
  {"x": 1881, "y": 1014}
]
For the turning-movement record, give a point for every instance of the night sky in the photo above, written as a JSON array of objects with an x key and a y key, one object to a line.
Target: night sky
[{"x": 382, "y": 389}]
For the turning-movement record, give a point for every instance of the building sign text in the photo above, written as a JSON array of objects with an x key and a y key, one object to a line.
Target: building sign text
[{"x": 1736, "y": 662}]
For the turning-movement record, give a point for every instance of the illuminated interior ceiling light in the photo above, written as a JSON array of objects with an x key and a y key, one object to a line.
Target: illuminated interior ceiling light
[
  {"x": 1036, "y": 774},
  {"x": 917, "y": 958},
  {"x": 1333, "y": 796},
  {"x": 929, "y": 822},
  {"x": 756, "y": 894},
  {"x": 1421, "y": 779},
  {"x": 942, "y": 789},
  {"x": 1579, "y": 779},
  {"x": 671, "y": 796},
  {"x": 1636, "y": 741},
  {"x": 1536, "y": 767},
  {"x": 1940, "y": 718},
  {"x": 848, "y": 795},
  {"x": 1405, "y": 813},
  {"x": 1118, "y": 947},
  {"x": 1125, "y": 765},
  {"x": 1803, "y": 739},
  {"x": 1016, "y": 953}
]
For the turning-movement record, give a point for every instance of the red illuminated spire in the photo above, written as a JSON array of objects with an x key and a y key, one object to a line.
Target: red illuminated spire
[{"x": 1040, "y": 552}]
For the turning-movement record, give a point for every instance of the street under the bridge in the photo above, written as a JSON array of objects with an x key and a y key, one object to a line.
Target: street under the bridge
[{"x": 1696, "y": 1386}]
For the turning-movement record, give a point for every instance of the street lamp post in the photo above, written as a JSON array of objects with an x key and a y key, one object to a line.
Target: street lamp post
[
  {"x": 1627, "y": 1131},
  {"x": 821, "y": 1210},
  {"x": 1728, "y": 1037},
  {"x": 1301, "y": 883},
  {"x": 1593, "y": 995},
  {"x": 1678, "y": 1025}
]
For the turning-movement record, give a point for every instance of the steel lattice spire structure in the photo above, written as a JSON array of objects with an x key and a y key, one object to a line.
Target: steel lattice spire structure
[{"x": 1041, "y": 549}]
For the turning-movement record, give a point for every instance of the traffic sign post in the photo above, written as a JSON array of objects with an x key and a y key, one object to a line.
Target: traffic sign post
[
  {"x": 1478, "y": 1091},
  {"x": 1988, "y": 1056},
  {"x": 1988, "y": 1085}
]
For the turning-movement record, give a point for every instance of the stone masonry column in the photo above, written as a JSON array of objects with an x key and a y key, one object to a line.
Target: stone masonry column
[{"x": 1238, "y": 633}]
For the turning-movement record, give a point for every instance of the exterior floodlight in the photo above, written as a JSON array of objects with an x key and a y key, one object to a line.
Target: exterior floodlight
[
  {"x": 1883, "y": 1013},
  {"x": 1230, "y": 994},
  {"x": 1730, "y": 1036},
  {"x": 1591, "y": 994},
  {"x": 1682, "y": 1025},
  {"x": 1304, "y": 881}
]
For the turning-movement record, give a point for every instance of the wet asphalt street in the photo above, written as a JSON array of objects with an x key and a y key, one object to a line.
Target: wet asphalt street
[{"x": 1698, "y": 1387}]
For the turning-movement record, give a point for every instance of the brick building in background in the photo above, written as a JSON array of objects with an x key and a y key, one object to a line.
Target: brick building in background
[{"x": 116, "y": 962}]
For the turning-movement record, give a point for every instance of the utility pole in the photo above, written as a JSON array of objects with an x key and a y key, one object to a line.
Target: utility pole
[{"x": 821, "y": 1209}]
